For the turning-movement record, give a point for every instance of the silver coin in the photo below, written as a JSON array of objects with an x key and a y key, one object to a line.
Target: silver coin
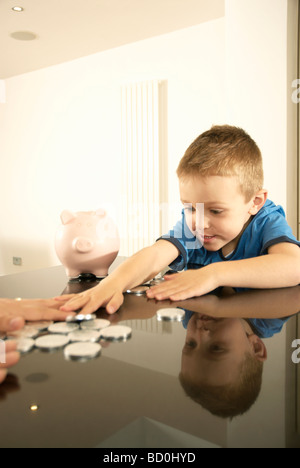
[
  {"x": 24, "y": 345},
  {"x": 84, "y": 335},
  {"x": 138, "y": 291},
  {"x": 63, "y": 327},
  {"x": 82, "y": 351},
  {"x": 172, "y": 314},
  {"x": 51, "y": 342},
  {"x": 116, "y": 333},
  {"x": 96, "y": 324},
  {"x": 40, "y": 325},
  {"x": 26, "y": 332},
  {"x": 156, "y": 281},
  {"x": 80, "y": 318}
]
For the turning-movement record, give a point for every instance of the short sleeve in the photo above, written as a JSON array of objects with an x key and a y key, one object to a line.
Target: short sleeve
[{"x": 275, "y": 230}]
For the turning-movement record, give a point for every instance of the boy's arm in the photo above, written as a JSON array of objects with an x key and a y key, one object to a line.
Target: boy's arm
[
  {"x": 138, "y": 269},
  {"x": 278, "y": 269}
]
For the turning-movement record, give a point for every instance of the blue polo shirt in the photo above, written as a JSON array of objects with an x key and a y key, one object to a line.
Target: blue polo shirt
[
  {"x": 263, "y": 328},
  {"x": 268, "y": 227}
]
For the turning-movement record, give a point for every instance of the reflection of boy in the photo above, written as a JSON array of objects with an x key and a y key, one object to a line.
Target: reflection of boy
[
  {"x": 222, "y": 362},
  {"x": 246, "y": 240}
]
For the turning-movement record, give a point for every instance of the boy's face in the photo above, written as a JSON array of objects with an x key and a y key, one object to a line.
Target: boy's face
[
  {"x": 225, "y": 210},
  {"x": 214, "y": 349}
]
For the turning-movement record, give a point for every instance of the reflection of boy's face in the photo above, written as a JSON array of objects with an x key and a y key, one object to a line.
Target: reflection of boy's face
[
  {"x": 225, "y": 209},
  {"x": 215, "y": 349}
]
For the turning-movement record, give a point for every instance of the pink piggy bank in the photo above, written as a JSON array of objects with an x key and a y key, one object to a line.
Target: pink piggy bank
[{"x": 87, "y": 242}]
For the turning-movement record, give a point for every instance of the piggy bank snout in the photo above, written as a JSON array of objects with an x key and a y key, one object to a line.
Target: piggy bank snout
[{"x": 83, "y": 244}]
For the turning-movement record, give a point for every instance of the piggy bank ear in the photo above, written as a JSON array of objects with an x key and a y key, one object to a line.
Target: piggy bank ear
[
  {"x": 67, "y": 216},
  {"x": 101, "y": 213}
]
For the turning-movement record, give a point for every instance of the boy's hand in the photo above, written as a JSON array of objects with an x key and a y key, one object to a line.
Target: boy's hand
[
  {"x": 103, "y": 295},
  {"x": 185, "y": 285}
]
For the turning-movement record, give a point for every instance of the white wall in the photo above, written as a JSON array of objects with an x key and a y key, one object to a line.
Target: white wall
[
  {"x": 60, "y": 132},
  {"x": 256, "y": 72},
  {"x": 60, "y": 126}
]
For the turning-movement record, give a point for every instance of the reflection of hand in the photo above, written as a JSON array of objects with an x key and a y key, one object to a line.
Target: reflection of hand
[
  {"x": 206, "y": 305},
  {"x": 11, "y": 384},
  {"x": 11, "y": 358},
  {"x": 184, "y": 285},
  {"x": 12, "y": 318}
]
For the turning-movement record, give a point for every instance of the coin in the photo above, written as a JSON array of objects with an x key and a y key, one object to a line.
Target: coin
[
  {"x": 84, "y": 335},
  {"x": 116, "y": 333},
  {"x": 96, "y": 324},
  {"x": 80, "y": 318},
  {"x": 82, "y": 351},
  {"x": 156, "y": 281},
  {"x": 26, "y": 332},
  {"x": 40, "y": 325},
  {"x": 24, "y": 345},
  {"x": 51, "y": 342},
  {"x": 172, "y": 314},
  {"x": 138, "y": 291},
  {"x": 63, "y": 327}
]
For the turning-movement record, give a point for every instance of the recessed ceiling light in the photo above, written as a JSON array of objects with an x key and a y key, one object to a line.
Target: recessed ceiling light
[{"x": 17, "y": 8}]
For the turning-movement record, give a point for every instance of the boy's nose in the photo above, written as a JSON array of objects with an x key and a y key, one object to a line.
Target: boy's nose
[{"x": 206, "y": 222}]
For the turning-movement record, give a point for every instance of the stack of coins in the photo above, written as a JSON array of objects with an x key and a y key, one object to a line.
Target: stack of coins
[{"x": 79, "y": 336}]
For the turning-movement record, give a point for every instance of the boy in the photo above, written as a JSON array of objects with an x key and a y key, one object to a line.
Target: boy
[
  {"x": 222, "y": 364},
  {"x": 244, "y": 241}
]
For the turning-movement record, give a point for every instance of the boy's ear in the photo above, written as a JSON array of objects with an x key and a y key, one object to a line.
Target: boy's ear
[
  {"x": 258, "y": 201},
  {"x": 258, "y": 347}
]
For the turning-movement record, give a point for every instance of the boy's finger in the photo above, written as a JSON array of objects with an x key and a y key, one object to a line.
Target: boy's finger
[
  {"x": 45, "y": 314},
  {"x": 74, "y": 303},
  {"x": 10, "y": 323},
  {"x": 64, "y": 297},
  {"x": 115, "y": 303}
]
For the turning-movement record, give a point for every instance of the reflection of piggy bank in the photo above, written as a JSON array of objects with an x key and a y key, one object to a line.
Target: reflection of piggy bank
[{"x": 87, "y": 242}]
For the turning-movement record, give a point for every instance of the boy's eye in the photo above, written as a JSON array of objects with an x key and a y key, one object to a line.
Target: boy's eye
[
  {"x": 216, "y": 349},
  {"x": 216, "y": 212},
  {"x": 189, "y": 209}
]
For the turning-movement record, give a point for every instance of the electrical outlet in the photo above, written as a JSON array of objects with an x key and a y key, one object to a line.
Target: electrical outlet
[{"x": 17, "y": 261}]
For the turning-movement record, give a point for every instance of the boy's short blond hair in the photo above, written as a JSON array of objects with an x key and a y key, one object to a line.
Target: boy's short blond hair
[{"x": 225, "y": 151}]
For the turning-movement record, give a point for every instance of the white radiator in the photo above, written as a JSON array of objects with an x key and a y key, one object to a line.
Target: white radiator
[{"x": 144, "y": 157}]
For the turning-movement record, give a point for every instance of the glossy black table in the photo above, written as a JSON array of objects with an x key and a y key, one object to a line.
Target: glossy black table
[{"x": 131, "y": 396}]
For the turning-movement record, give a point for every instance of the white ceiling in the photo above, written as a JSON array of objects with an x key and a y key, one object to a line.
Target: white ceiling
[{"x": 69, "y": 29}]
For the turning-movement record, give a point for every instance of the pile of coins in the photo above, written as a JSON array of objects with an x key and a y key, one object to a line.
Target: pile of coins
[{"x": 79, "y": 336}]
